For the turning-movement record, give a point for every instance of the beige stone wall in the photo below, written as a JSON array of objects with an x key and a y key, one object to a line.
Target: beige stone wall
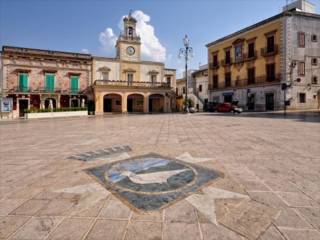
[
  {"x": 146, "y": 68},
  {"x": 114, "y": 66},
  {"x": 123, "y": 51}
]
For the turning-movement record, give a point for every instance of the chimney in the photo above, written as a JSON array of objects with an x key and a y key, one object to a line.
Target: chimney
[{"x": 300, "y": 6}]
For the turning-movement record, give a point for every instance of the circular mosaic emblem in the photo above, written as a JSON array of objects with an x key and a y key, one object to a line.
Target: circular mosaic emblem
[{"x": 151, "y": 181}]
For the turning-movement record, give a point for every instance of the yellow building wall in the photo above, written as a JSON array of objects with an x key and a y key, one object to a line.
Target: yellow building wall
[
  {"x": 134, "y": 66},
  {"x": 259, "y": 63}
]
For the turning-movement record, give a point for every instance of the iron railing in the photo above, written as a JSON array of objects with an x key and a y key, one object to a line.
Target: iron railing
[
  {"x": 121, "y": 83},
  {"x": 44, "y": 90},
  {"x": 270, "y": 51}
]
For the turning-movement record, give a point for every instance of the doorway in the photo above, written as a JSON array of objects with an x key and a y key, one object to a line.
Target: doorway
[
  {"x": 23, "y": 106},
  {"x": 269, "y": 101},
  {"x": 251, "y": 102}
]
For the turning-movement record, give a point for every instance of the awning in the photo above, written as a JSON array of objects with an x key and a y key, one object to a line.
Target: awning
[{"x": 227, "y": 94}]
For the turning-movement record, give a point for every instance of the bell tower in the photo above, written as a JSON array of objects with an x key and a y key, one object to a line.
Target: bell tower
[{"x": 128, "y": 43}]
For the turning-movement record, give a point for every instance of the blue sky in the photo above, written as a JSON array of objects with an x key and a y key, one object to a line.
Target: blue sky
[{"x": 75, "y": 25}]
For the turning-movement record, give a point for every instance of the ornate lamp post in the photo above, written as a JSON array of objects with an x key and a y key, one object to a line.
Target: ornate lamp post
[{"x": 186, "y": 53}]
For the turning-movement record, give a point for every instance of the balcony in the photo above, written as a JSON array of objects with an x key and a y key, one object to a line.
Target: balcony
[
  {"x": 270, "y": 51},
  {"x": 261, "y": 80},
  {"x": 226, "y": 63},
  {"x": 214, "y": 66},
  {"x": 134, "y": 84},
  {"x": 252, "y": 56}
]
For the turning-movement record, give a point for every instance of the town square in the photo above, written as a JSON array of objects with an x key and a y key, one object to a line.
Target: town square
[{"x": 156, "y": 136}]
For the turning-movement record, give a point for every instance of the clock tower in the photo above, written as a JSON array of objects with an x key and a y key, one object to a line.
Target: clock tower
[{"x": 128, "y": 43}]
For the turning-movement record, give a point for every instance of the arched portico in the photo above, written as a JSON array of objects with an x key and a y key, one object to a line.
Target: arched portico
[
  {"x": 135, "y": 103},
  {"x": 112, "y": 102},
  {"x": 156, "y": 103}
]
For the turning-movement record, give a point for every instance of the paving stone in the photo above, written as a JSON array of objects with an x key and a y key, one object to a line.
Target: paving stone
[
  {"x": 294, "y": 199},
  {"x": 156, "y": 216},
  {"x": 271, "y": 234},
  {"x": 30, "y": 207},
  {"x": 213, "y": 232},
  {"x": 312, "y": 215},
  {"x": 9, "y": 224},
  {"x": 144, "y": 230},
  {"x": 56, "y": 207},
  {"x": 249, "y": 219},
  {"x": 107, "y": 229},
  {"x": 181, "y": 230},
  {"x": 8, "y": 205},
  {"x": 268, "y": 198},
  {"x": 37, "y": 228},
  {"x": 293, "y": 234},
  {"x": 115, "y": 209},
  {"x": 289, "y": 218},
  {"x": 181, "y": 212},
  {"x": 71, "y": 229}
]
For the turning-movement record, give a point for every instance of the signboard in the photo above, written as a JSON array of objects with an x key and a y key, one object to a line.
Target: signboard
[{"x": 6, "y": 104}]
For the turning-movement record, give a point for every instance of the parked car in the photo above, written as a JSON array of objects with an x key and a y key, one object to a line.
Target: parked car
[
  {"x": 212, "y": 107},
  {"x": 192, "y": 110},
  {"x": 228, "y": 107}
]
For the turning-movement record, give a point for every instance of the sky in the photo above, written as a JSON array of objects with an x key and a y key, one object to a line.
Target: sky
[{"x": 92, "y": 26}]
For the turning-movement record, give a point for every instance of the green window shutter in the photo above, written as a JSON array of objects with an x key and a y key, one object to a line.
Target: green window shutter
[
  {"x": 23, "y": 82},
  {"x": 49, "y": 82},
  {"x": 74, "y": 86}
]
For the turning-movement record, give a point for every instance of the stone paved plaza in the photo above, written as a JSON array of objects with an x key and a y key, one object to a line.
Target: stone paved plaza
[{"x": 200, "y": 176}]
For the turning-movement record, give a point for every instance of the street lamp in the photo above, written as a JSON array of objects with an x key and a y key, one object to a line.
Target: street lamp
[{"x": 186, "y": 53}]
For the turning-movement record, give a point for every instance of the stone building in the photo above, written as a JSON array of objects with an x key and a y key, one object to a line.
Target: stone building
[
  {"x": 251, "y": 65},
  {"x": 36, "y": 78},
  {"x": 128, "y": 84},
  {"x": 200, "y": 87}
]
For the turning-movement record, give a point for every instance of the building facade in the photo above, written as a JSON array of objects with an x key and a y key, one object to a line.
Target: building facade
[
  {"x": 200, "y": 87},
  {"x": 251, "y": 65},
  {"x": 128, "y": 84},
  {"x": 41, "y": 79}
]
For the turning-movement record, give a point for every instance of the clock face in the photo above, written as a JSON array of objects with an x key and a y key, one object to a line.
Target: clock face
[{"x": 130, "y": 50}]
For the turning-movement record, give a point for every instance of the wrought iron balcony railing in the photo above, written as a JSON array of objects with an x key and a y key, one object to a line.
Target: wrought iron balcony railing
[
  {"x": 134, "y": 84},
  {"x": 214, "y": 66},
  {"x": 247, "y": 82},
  {"x": 270, "y": 51},
  {"x": 224, "y": 62}
]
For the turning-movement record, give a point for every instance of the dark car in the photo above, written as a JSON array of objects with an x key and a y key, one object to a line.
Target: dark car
[{"x": 211, "y": 107}]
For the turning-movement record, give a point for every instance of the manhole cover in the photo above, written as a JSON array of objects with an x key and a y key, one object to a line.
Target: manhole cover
[{"x": 151, "y": 181}]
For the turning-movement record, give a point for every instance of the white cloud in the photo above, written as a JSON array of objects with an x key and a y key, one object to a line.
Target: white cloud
[
  {"x": 108, "y": 40},
  {"x": 85, "y": 50},
  {"x": 151, "y": 48}
]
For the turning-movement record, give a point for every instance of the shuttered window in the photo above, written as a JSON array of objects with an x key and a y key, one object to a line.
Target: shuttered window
[
  {"x": 23, "y": 82},
  {"x": 74, "y": 84},
  {"x": 49, "y": 82}
]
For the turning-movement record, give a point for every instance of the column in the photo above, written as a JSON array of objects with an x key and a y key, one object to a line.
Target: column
[
  {"x": 146, "y": 103},
  {"x": 98, "y": 102},
  {"x": 124, "y": 103}
]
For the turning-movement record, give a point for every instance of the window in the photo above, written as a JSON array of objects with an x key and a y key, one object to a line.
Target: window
[
  {"x": 130, "y": 31},
  {"x": 314, "y": 38},
  {"x": 270, "y": 44},
  {"x": 251, "y": 75},
  {"x": 130, "y": 79},
  {"x": 301, "y": 39},
  {"x": 314, "y": 61},
  {"x": 301, "y": 69},
  {"x": 228, "y": 57},
  {"x": 23, "y": 82},
  {"x": 314, "y": 80},
  {"x": 153, "y": 79},
  {"x": 74, "y": 84},
  {"x": 238, "y": 52},
  {"x": 105, "y": 76},
  {"x": 251, "y": 53},
  {"x": 227, "y": 80},
  {"x": 200, "y": 88},
  {"x": 215, "y": 60},
  {"x": 49, "y": 82},
  {"x": 215, "y": 81},
  {"x": 270, "y": 69},
  {"x": 169, "y": 81},
  {"x": 184, "y": 90},
  {"x": 302, "y": 97}
]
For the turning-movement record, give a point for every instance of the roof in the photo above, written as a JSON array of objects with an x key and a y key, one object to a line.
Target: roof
[
  {"x": 261, "y": 23},
  {"x": 13, "y": 49}
]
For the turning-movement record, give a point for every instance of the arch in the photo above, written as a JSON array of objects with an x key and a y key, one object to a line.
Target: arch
[
  {"x": 156, "y": 103},
  {"x": 135, "y": 102},
  {"x": 50, "y": 103},
  {"x": 112, "y": 102}
]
